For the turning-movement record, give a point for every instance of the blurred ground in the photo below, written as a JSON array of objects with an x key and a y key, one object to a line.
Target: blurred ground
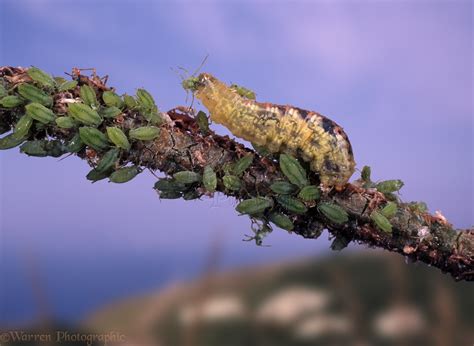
[
  {"x": 348, "y": 299},
  {"x": 352, "y": 299}
]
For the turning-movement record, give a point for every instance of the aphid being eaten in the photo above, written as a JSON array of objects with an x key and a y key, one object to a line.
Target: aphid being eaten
[{"x": 279, "y": 129}]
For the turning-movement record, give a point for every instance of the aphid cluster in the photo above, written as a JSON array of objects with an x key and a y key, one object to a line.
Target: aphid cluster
[
  {"x": 280, "y": 129},
  {"x": 284, "y": 200},
  {"x": 91, "y": 120}
]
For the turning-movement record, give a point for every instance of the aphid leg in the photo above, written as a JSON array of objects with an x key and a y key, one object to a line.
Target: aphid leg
[
  {"x": 153, "y": 173},
  {"x": 192, "y": 100},
  {"x": 65, "y": 157},
  {"x": 183, "y": 77}
]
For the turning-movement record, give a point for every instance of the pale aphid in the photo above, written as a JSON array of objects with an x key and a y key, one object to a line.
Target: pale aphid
[{"x": 280, "y": 129}]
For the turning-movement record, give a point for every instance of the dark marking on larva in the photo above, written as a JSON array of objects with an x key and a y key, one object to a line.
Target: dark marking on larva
[
  {"x": 266, "y": 114},
  {"x": 341, "y": 132},
  {"x": 315, "y": 142},
  {"x": 328, "y": 125},
  {"x": 330, "y": 165},
  {"x": 304, "y": 114},
  {"x": 349, "y": 148}
]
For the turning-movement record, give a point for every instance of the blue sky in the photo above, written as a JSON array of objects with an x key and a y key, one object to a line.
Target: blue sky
[{"x": 396, "y": 75}]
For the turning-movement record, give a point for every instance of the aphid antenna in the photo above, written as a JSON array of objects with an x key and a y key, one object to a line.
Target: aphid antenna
[
  {"x": 195, "y": 73},
  {"x": 201, "y": 66},
  {"x": 65, "y": 157}
]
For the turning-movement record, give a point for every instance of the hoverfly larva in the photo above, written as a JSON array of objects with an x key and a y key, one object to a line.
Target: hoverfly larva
[{"x": 280, "y": 129}]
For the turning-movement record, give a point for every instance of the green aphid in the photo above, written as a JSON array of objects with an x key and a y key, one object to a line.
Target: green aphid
[
  {"x": 381, "y": 221},
  {"x": 309, "y": 193},
  {"x": 10, "y": 141},
  {"x": 242, "y": 164},
  {"x": 389, "y": 210},
  {"x": 93, "y": 138},
  {"x": 228, "y": 168},
  {"x": 169, "y": 185},
  {"x": 209, "y": 179},
  {"x": 232, "y": 182},
  {"x": 65, "y": 122},
  {"x": 75, "y": 144},
  {"x": 111, "y": 99},
  {"x": 187, "y": 177},
  {"x": 261, "y": 150},
  {"x": 88, "y": 95},
  {"x": 191, "y": 194},
  {"x": 389, "y": 186},
  {"x": 42, "y": 148},
  {"x": 11, "y": 101},
  {"x": 293, "y": 170},
  {"x": 244, "y": 92},
  {"x": 117, "y": 137},
  {"x": 40, "y": 113},
  {"x": 55, "y": 148},
  {"x": 95, "y": 175},
  {"x": 34, "y": 94},
  {"x": 129, "y": 101},
  {"x": 203, "y": 122},
  {"x": 145, "y": 100},
  {"x": 254, "y": 206},
  {"x": 108, "y": 160},
  {"x": 190, "y": 83},
  {"x": 124, "y": 174},
  {"x": 152, "y": 116},
  {"x": 84, "y": 114},
  {"x": 260, "y": 234},
  {"x": 145, "y": 133},
  {"x": 34, "y": 148},
  {"x": 282, "y": 221},
  {"x": 148, "y": 108},
  {"x": 418, "y": 207},
  {"x": 110, "y": 112},
  {"x": 170, "y": 194},
  {"x": 67, "y": 85},
  {"x": 59, "y": 80},
  {"x": 3, "y": 90},
  {"x": 41, "y": 77},
  {"x": 22, "y": 127},
  {"x": 365, "y": 175},
  {"x": 333, "y": 212},
  {"x": 283, "y": 188},
  {"x": 292, "y": 204}
]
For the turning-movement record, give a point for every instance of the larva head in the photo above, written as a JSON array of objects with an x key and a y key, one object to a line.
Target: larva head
[{"x": 197, "y": 83}]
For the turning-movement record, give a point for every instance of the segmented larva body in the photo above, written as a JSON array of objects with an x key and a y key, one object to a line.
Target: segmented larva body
[{"x": 305, "y": 134}]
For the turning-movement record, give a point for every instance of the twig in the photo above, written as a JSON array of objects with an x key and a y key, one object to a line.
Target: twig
[{"x": 183, "y": 146}]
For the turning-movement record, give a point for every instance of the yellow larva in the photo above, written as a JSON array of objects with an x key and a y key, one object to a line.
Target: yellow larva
[{"x": 281, "y": 129}]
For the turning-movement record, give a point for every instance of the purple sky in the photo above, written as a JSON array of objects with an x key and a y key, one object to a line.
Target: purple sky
[{"x": 396, "y": 75}]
